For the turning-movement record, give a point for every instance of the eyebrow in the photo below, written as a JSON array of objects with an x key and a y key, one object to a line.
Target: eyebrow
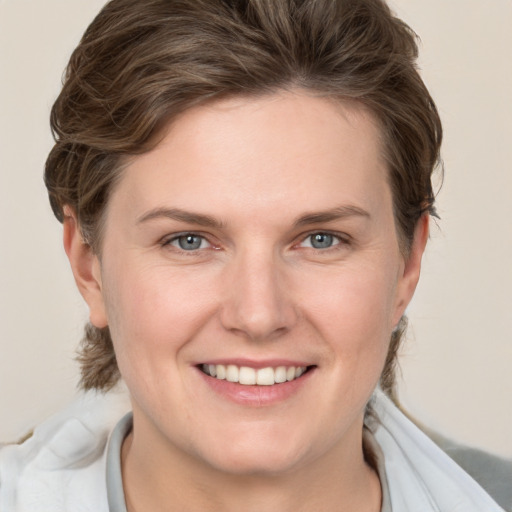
[
  {"x": 181, "y": 216},
  {"x": 340, "y": 212},
  {"x": 210, "y": 222}
]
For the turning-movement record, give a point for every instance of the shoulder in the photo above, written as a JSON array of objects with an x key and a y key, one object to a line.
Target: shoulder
[
  {"x": 62, "y": 465},
  {"x": 423, "y": 474},
  {"x": 492, "y": 472}
]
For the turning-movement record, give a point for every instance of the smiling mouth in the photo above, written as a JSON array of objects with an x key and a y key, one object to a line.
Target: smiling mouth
[{"x": 248, "y": 376}]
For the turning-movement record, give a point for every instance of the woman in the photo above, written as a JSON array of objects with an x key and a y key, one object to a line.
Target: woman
[{"x": 245, "y": 190}]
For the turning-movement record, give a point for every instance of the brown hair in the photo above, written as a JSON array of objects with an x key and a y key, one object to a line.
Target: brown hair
[{"x": 139, "y": 64}]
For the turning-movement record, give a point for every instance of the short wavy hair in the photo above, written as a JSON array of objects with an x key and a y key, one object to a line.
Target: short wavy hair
[{"x": 141, "y": 63}]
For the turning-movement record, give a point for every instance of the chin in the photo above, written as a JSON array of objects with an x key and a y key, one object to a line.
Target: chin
[{"x": 261, "y": 454}]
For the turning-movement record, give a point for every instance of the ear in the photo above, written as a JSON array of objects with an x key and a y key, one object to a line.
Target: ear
[
  {"x": 86, "y": 269},
  {"x": 410, "y": 272}
]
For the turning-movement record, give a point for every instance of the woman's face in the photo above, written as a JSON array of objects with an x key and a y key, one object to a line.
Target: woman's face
[{"x": 257, "y": 237}]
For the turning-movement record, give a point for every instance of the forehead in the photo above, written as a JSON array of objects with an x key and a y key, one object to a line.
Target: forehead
[{"x": 292, "y": 149}]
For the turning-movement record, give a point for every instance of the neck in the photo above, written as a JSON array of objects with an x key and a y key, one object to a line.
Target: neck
[{"x": 161, "y": 478}]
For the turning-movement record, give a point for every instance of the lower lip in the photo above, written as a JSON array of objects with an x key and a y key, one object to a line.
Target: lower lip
[{"x": 256, "y": 396}]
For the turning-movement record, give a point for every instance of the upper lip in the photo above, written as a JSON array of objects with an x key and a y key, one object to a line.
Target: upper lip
[{"x": 254, "y": 363}]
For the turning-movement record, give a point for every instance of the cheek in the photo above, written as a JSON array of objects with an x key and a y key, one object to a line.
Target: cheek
[
  {"x": 355, "y": 296},
  {"x": 353, "y": 309},
  {"x": 154, "y": 311}
]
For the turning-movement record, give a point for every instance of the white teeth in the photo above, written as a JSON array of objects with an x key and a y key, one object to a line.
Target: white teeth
[
  {"x": 232, "y": 373},
  {"x": 220, "y": 371},
  {"x": 249, "y": 376},
  {"x": 265, "y": 377},
  {"x": 280, "y": 374}
]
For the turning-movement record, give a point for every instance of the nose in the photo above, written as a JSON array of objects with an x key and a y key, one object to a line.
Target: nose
[{"x": 258, "y": 304}]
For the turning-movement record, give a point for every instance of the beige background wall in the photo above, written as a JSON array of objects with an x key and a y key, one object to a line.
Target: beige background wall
[{"x": 456, "y": 366}]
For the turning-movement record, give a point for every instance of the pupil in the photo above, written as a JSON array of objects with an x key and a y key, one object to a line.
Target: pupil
[{"x": 321, "y": 241}]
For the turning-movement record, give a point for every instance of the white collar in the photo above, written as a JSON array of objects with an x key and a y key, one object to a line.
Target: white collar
[{"x": 421, "y": 477}]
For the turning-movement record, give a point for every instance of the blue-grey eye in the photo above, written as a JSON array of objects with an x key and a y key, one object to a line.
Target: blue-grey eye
[
  {"x": 189, "y": 242},
  {"x": 321, "y": 241}
]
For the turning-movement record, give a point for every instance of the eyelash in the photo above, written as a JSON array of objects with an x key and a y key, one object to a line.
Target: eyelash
[{"x": 338, "y": 239}]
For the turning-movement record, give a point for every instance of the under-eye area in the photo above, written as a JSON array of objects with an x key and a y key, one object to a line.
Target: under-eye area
[{"x": 248, "y": 376}]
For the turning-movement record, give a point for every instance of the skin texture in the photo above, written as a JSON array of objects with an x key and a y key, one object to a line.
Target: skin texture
[{"x": 255, "y": 289}]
